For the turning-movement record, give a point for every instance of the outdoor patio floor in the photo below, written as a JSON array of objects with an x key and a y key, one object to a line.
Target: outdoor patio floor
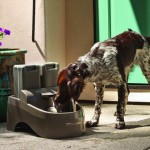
[{"x": 136, "y": 136}]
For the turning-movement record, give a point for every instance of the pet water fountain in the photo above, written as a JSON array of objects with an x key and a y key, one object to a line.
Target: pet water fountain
[{"x": 32, "y": 103}]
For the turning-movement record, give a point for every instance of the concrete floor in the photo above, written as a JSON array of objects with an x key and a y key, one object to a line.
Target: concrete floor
[{"x": 135, "y": 137}]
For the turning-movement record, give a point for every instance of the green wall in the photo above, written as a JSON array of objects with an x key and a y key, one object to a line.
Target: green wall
[{"x": 116, "y": 16}]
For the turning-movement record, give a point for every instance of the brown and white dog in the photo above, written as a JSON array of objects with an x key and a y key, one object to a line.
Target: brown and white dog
[{"x": 107, "y": 62}]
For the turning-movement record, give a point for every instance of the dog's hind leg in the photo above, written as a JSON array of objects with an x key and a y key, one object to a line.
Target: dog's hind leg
[
  {"x": 122, "y": 96},
  {"x": 126, "y": 100},
  {"x": 145, "y": 67},
  {"x": 99, "y": 89}
]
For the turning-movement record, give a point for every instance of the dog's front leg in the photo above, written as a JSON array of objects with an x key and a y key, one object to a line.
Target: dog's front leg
[
  {"x": 122, "y": 95},
  {"x": 99, "y": 89}
]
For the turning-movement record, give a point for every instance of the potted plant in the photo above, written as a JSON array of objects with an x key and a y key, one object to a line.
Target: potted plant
[{"x": 8, "y": 58}]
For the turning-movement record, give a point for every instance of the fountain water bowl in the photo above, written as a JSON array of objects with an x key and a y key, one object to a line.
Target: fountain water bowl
[{"x": 33, "y": 110}]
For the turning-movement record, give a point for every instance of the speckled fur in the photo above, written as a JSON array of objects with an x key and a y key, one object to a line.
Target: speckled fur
[{"x": 107, "y": 62}]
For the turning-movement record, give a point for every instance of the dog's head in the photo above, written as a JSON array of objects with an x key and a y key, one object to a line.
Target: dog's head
[{"x": 71, "y": 81}]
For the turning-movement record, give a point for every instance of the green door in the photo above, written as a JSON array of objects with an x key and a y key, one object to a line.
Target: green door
[{"x": 116, "y": 16}]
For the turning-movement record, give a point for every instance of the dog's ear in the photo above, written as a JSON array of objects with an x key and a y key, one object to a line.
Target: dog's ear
[
  {"x": 66, "y": 74},
  {"x": 62, "y": 76},
  {"x": 75, "y": 88},
  {"x": 148, "y": 40}
]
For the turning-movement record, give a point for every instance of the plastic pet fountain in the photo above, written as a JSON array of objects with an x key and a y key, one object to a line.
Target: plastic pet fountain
[{"x": 32, "y": 103}]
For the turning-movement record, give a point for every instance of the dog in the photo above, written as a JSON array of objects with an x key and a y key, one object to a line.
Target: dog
[{"x": 108, "y": 62}]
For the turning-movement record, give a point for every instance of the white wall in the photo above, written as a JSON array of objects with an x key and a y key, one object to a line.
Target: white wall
[
  {"x": 55, "y": 31},
  {"x": 79, "y": 28},
  {"x": 16, "y": 15}
]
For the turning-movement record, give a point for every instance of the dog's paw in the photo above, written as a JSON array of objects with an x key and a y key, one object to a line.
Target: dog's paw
[
  {"x": 115, "y": 114},
  {"x": 91, "y": 123},
  {"x": 120, "y": 125}
]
